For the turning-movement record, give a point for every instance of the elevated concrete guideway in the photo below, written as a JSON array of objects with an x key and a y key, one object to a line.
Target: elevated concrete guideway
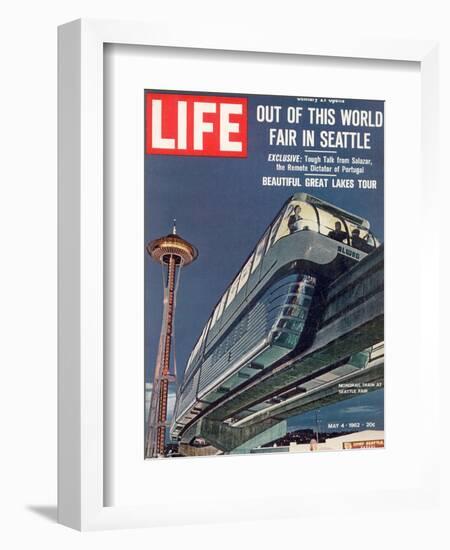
[
  {"x": 353, "y": 321},
  {"x": 325, "y": 394}
]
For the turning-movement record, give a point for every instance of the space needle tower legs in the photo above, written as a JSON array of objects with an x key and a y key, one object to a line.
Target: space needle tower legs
[{"x": 172, "y": 252}]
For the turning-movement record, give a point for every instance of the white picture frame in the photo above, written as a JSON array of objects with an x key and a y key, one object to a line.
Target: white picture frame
[{"x": 81, "y": 482}]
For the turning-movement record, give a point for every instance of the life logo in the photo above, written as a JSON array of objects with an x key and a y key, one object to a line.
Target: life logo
[{"x": 197, "y": 125}]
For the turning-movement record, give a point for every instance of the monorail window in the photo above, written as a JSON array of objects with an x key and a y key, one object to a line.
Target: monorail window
[
  {"x": 233, "y": 291},
  {"x": 307, "y": 289},
  {"x": 273, "y": 231},
  {"x": 371, "y": 239},
  {"x": 287, "y": 339},
  {"x": 298, "y": 216},
  {"x": 197, "y": 347},
  {"x": 219, "y": 309},
  {"x": 259, "y": 251},
  {"x": 205, "y": 331},
  {"x": 245, "y": 273},
  {"x": 191, "y": 357},
  {"x": 222, "y": 305},
  {"x": 360, "y": 237},
  {"x": 294, "y": 309},
  {"x": 194, "y": 351},
  {"x": 292, "y": 324},
  {"x": 199, "y": 344},
  {"x": 202, "y": 336},
  {"x": 333, "y": 226},
  {"x": 215, "y": 315}
]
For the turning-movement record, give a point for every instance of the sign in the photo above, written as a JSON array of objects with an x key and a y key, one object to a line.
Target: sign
[
  {"x": 196, "y": 125},
  {"x": 369, "y": 444}
]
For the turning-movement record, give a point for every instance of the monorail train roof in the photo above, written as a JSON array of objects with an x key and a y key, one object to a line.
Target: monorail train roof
[{"x": 330, "y": 208}]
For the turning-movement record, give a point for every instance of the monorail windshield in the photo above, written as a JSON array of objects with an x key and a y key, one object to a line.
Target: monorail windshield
[{"x": 302, "y": 215}]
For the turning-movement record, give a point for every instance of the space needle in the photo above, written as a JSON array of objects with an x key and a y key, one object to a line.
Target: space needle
[{"x": 172, "y": 252}]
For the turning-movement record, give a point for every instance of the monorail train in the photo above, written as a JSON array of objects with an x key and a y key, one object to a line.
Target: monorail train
[{"x": 273, "y": 305}]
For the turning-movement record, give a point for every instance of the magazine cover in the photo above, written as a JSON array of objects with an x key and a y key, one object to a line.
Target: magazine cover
[{"x": 264, "y": 274}]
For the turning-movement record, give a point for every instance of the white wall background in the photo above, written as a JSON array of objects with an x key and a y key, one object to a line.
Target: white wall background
[{"x": 28, "y": 268}]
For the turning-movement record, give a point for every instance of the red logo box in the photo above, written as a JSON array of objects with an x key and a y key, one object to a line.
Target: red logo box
[{"x": 196, "y": 125}]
